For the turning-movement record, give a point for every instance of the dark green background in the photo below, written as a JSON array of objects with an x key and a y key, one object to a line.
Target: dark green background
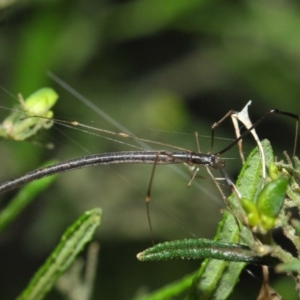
[{"x": 154, "y": 66}]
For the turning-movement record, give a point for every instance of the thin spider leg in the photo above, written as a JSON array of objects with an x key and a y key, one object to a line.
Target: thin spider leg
[
  {"x": 259, "y": 121},
  {"x": 148, "y": 196},
  {"x": 119, "y": 134},
  {"x": 216, "y": 124},
  {"x": 194, "y": 170}
]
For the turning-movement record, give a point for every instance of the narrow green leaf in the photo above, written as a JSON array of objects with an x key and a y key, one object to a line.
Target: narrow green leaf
[
  {"x": 18, "y": 126},
  {"x": 217, "y": 278},
  {"x": 24, "y": 197},
  {"x": 293, "y": 266},
  {"x": 203, "y": 248},
  {"x": 215, "y": 274},
  {"x": 71, "y": 244},
  {"x": 170, "y": 291}
]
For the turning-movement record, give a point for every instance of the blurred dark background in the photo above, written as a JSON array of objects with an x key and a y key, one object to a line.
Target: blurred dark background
[{"x": 162, "y": 69}]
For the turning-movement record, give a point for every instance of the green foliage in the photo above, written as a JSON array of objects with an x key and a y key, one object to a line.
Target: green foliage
[
  {"x": 263, "y": 212},
  {"x": 235, "y": 245},
  {"x": 266, "y": 210},
  {"x": 24, "y": 197},
  {"x": 210, "y": 55},
  {"x": 71, "y": 244},
  {"x": 203, "y": 248},
  {"x": 32, "y": 115}
]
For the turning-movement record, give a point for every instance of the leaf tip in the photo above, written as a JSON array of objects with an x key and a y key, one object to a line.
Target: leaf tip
[{"x": 139, "y": 256}]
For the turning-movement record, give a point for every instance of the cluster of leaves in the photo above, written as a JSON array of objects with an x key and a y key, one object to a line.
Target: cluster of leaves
[
  {"x": 125, "y": 47},
  {"x": 244, "y": 235},
  {"x": 25, "y": 121},
  {"x": 30, "y": 116},
  {"x": 249, "y": 223}
]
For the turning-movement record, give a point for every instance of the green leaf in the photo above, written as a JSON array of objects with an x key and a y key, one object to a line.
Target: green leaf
[
  {"x": 24, "y": 197},
  {"x": 270, "y": 201},
  {"x": 292, "y": 266},
  {"x": 217, "y": 278},
  {"x": 216, "y": 275},
  {"x": 170, "y": 291},
  {"x": 71, "y": 244},
  {"x": 18, "y": 126},
  {"x": 203, "y": 248}
]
